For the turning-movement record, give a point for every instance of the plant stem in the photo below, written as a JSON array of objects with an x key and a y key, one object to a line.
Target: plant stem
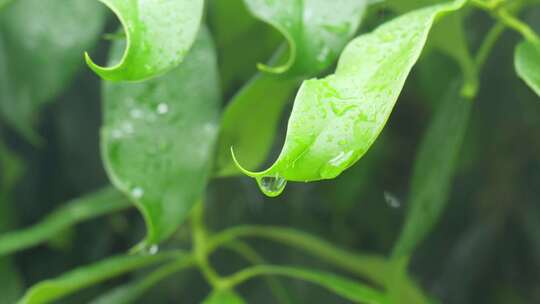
[
  {"x": 505, "y": 17},
  {"x": 201, "y": 247},
  {"x": 375, "y": 269},
  {"x": 487, "y": 45}
]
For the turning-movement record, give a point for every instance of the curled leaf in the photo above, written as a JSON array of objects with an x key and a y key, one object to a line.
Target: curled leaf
[
  {"x": 527, "y": 62},
  {"x": 158, "y": 137},
  {"x": 336, "y": 119},
  {"x": 316, "y": 30},
  {"x": 159, "y": 35}
]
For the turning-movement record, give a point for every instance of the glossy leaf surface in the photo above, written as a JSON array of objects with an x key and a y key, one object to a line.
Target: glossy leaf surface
[
  {"x": 316, "y": 30},
  {"x": 101, "y": 202},
  {"x": 336, "y": 119},
  {"x": 158, "y": 137},
  {"x": 343, "y": 287},
  {"x": 434, "y": 169},
  {"x": 224, "y": 297},
  {"x": 159, "y": 35},
  {"x": 40, "y": 53},
  {"x": 527, "y": 62},
  {"x": 51, "y": 290}
]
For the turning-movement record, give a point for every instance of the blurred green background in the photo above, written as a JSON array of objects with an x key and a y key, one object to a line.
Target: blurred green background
[{"x": 485, "y": 249}]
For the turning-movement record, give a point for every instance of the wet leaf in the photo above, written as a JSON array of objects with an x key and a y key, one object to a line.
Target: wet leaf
[
  {"x": 51, "y": 290},
  {"x": 158, "y": 137},
  {"x": 527, "y": 62},
  {"x": 41, "y": 43},
  {"x": 316, "y": 30},
  {"x": 224, "y": 297},
  {"x": 434, "y": 169},
  {"x": 336, "y": 119},
  {"x": 159, "y": 35}
]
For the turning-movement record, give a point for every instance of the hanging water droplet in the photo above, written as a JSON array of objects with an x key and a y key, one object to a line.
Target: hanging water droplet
[
  {"x": 391, "y": 200},
  {"x": 272, "y": 186},
  {"x": 162, "y": 108},
  {"x": 137, "y": 192}
]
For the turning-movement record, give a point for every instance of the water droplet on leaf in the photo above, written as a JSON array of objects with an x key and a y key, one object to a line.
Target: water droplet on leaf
[
  {"x": 272, "y": 186},
  {"x": 137, "y": 192},
  {"x": 391, "y": 200}
]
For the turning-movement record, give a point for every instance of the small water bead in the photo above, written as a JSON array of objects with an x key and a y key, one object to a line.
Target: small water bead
[
  {"x": 137, "y": 192},
  {"x": 153, "y": 250},
  {"x": 136, "y": 113},
  {"x": 391, "y": 200},
  {"x": 272, "y": 186},
  {"x": 116, "y": 134},
  {"x": 162, "y": 108}
]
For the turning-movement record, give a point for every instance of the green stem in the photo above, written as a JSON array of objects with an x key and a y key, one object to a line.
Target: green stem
[
  {"x": 487, "y": 45},
  {"x": 519, "y": 26},
  {"x": 496, "y": 9},
  {"x": 252, "y": 256},
  {"x": 200, "y": 249},
  {"x": 372, "y": 268},
  {"x": 90, "y": 206},
  {"x": 375, "y": 269}
]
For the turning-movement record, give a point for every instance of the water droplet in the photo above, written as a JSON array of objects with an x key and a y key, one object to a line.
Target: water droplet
[
  {"x": 152, "y": 250},
  {"x": 162, "y": 108},
  {"x": 127, "y": 128},
  {"x": 323, "y": 54},
  {"x": 116, "y": 134},
  {"x": 272, "y": 186},
  {"x": 391, "y": 200},
  {"x": 136, "y": 113},
  {"x": 137, "y": 192},
  {"x": 336, "y": 165}
]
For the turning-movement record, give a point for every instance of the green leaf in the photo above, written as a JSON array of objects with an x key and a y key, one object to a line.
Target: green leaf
[
  {"x": 54, "y": 289},
  {"x": 316, "y": 30},
  {"x": 250, "y": 122},
  {"x": 96, "y": 204},
  {"x": 130, "y": 293},
  {"x": 224, "y": 297},
  {"x": 242, "y": 41},
  {"x": 346, "y": 288},
  {"x": 159, "y": 35},
  {"x": 4, "y": 3},
  {"x": 41, "y": 43},
  {"x": 527, "y": 62},
  {"x": 335, "y": 120},
  {"x": 434, "y": 169},
  {"x": 158, "y": 137}
]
